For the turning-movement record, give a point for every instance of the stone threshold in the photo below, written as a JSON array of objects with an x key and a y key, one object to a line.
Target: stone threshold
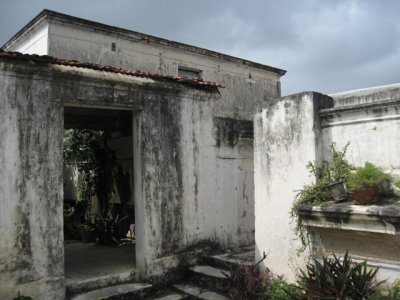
[{"x": 79, "y": 286}]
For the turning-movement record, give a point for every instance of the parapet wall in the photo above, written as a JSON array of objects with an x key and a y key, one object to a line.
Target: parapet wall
[
  {"x": 301, "y": 128},
  {"x": 369, "y": 120}
]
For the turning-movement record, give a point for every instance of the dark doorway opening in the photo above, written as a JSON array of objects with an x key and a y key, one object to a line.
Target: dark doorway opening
[{"x": 99, "y": 211}]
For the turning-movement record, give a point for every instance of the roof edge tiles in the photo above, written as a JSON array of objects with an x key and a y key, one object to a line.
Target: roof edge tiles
[
  {"x": 45, "y": 59},
  {"x": 140, "y": 36}
]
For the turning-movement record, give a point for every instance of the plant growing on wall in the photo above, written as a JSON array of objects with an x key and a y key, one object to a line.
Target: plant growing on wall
[
  {"x": 367, "y": 176},
  {"x": 367, "y": 183},
  {"x": 339, "y": 169}
]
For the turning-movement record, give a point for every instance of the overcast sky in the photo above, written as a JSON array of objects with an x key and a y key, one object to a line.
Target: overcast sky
[{"x": 326, "y": 46}]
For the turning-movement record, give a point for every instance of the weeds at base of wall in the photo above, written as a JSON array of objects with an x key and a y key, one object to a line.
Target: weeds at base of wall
[
  {"x": 328, "y": 278},
  {"x": 338, "y": 278},
  {"x": 250, "y": 282}
]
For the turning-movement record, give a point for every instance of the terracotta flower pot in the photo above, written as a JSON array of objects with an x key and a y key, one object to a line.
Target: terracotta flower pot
[{"x": 365, "y": 195}]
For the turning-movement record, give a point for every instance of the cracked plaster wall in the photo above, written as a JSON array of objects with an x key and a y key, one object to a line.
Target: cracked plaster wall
[
  {"x": 187, "y": 202},
  {"x": 301, "y": 128},
  {"x": 31, "y": 130},
  {"x": 370, "y": 120},
  {"x": 247, "y": 90},
  {"x": 179, "y": 195},
  {"x": 287, "y": 135}
]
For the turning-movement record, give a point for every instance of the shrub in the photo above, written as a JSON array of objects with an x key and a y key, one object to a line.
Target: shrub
[
  {"x": 397, "y": 184},
  {"x": 248, "y": 282},
  {"x": 281, "y": 290},
  {"x": 336, "y": 279},
  {"x": 339, "y": 169},
  {"x": 367, "y": 176}
]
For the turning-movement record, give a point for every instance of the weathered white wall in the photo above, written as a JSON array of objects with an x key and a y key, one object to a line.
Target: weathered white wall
[
  {"x": 31, "y": 141},
  {"x": 182, "y": 190},
  {"x": 370, "y": 120},
  {"x": 31, "y": 200},
  {"x": 287, "y": 136},
  {"x": 35, "y": 41},
  {"x": 247, "y": 90},
  {"x": 234, "y": 197},
  {"x": 176, "y": 185},
  {"x": 219, "y": 186},
  {"x": 301, "y": 128}
]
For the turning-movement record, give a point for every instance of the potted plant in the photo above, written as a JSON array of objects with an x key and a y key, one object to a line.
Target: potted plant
[
  {"x": 337, "y": 191},
  {"x": 107, "y": 229},
  {"x": 366, "y": 184},
  {"x": 328, "y": 185},
  {"x": 87, "y": 232},
  {"x": 338, "y": 173}
]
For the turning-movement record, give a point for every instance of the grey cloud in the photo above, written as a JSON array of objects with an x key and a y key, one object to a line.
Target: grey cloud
[{"x": 326, "y": 46}]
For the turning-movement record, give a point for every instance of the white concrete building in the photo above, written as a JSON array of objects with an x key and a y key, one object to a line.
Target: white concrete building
[
  {"x": 248, "y": 87},
  {"x": 191, "y": 158}
]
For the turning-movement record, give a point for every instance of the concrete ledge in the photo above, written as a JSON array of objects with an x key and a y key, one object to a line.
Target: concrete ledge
[
  {"x": 384, "y": 217},
  {"x": 359, "y": 107}
]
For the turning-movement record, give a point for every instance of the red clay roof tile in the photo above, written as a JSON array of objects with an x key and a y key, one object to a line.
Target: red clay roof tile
[{"x": 106, "y": 68}]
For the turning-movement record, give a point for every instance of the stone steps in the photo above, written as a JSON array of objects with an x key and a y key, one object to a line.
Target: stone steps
[
  {"x": 74, "y": 287},
  {"x": 168, "y": 294},
  {"x": 209, "y": 277},
  {"x": 207, "y": 280},
  {"x": 172, "y": 296},
  {"x": 230, "y": 261},
  {"x": 198, "y": 292},
  {"x": 117, "y": 292}
]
